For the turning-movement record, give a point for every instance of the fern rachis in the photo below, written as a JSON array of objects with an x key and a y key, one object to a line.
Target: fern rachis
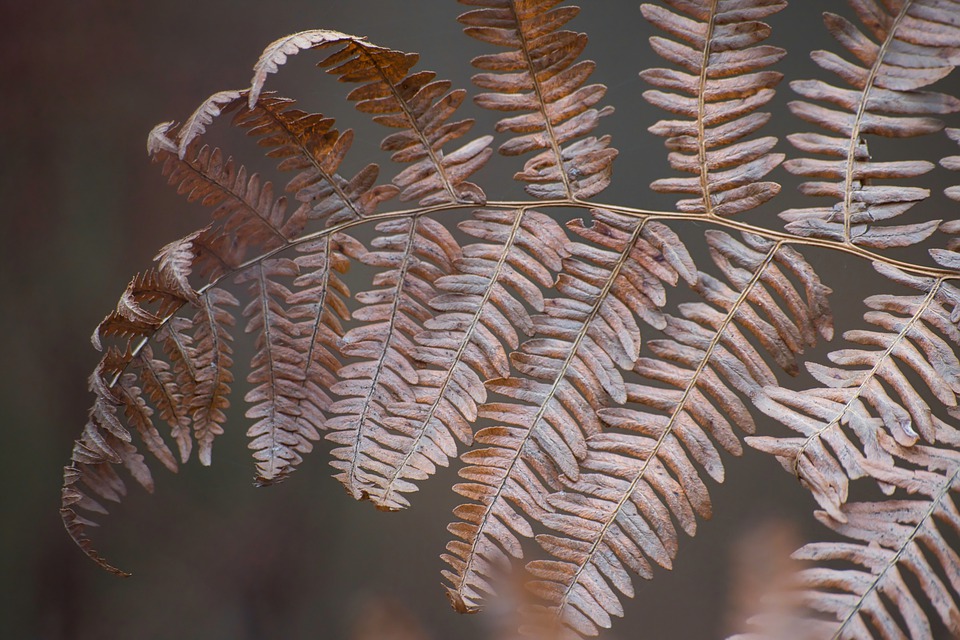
[{"x": 592, "y": 407}]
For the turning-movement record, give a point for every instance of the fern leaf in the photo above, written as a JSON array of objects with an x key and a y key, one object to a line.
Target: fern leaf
[
  {"x": 871, "y": 389},
  {"x": 105, "y": 443},
  {"x": 721, "y": 85},
  {"x": 616, "y": 517},
  {"x": 162, "y": 389},
  {"x": 911, "y": 44},
  {"x": 279, "y": 438},
  {"x": 178, "y": 382},
  {"x": 539, "y": 76},
  {"x": 308, "y": 143},
  {"x": 175, "y": 263},
  {"x": 150, "y": 298},
  {"x": 569, "y": 371},
  {"x": 140, "y": 416},
  {"x": 245, "y": 210},
  {"x": 899, "y": 557},
  {"x": 412, "y": 253},
  {"x": 481, "y": 310},
  {"x": 210, "y": 327},
  {"x": 415, "y": 103},
  {"x": 208, "y": 111}
]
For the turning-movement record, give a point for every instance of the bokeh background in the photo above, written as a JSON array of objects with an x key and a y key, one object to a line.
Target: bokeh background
[{"x": 82, "y": 209}]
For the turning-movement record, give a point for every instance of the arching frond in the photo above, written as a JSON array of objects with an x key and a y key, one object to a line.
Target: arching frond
[{"x": 594, "y": 406}]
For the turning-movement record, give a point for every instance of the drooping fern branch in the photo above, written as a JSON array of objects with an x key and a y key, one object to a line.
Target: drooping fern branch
[{"x": 586, "y": 408}]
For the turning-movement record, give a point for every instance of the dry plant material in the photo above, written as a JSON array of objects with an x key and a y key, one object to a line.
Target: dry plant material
[{"x": 589, "y": 412}]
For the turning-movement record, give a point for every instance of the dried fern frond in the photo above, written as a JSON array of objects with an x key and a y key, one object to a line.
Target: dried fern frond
[
  {"x": 540, "y": 77},
  {"x": 636, "y": 489},
  {"x": 106, "y": 442},
  {"x": 716, "y": 95},
  {"x": 413, "y": 102},
  {"x": 911, "y": 44},
  {"x": 566, "y": 375},
  {"x": 871, "y": 390},
  {"x": 898, "y": 559},
  {"x": 594, "y": 406}
]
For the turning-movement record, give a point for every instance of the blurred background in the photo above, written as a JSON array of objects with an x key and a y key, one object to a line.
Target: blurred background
[{"x": 213, "y": 558}]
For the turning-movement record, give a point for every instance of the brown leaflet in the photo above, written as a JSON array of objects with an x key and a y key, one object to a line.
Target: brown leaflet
[
  {"x": 870, "y": 391},
  {"x": 410, "y": 255},
  {"x": 910, "y": 45},
  {"x": 539, "y": 77},
  {"x": 619, "y": 516},
  {"x": 480, "y": 311},
  {"x": 413, "y": 102},
  {"x": 245, "y": 214},
  {"x": 308, "y": 144},
  {"x": 897, "y": 568},
  {"x": 716, "y": 93},
  {"x": 566, "y": 373}
]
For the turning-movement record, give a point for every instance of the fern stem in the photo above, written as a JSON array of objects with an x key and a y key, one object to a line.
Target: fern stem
[
  {"x": 858, "y": 120},
  {"x": 646, "y": 214}
]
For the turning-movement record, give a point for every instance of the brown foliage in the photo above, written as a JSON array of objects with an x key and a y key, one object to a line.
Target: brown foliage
[{"x": 596, "y": 413}]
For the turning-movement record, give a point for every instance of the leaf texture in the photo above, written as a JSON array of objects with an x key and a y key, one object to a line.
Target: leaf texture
[
  {"x": 481, "y": 315},
  {"x": 899, "y": 557},
  {"x": 411, "y": 255},
  {"x": 246, "y": 215},
  {"x": 909, "y": 45},
  {"x": 721, "y": 84},
  {"x": 413, "y": 102},
  {"x": 641, "y": 483},
  {"x": 540, "y": 78},
  {"x": 566, "y": 373},
  {"x": 308, "y": 144},
  {"x": 870, "y": 390},
  {"x": 296, "y": 359},
  {"x": 952, "y": 227}
]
